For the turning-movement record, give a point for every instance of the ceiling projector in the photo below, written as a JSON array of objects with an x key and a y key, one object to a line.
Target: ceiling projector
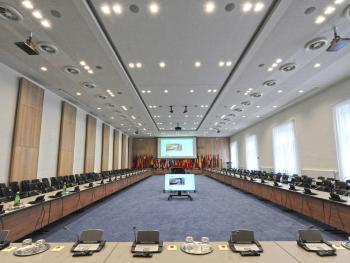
[{"x": 178, "y": 128}]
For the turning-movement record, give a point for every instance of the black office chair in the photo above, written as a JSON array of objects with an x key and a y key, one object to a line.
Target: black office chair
[{"x": 46, "y": 185}]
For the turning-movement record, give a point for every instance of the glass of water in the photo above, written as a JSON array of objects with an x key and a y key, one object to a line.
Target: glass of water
[{"x": 189, "y": 243}]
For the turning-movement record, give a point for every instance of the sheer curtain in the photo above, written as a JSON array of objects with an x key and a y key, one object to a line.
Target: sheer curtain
[
  {"x": 251, "y": 151},
  {"x": 234, "y": 154},
  {"x": 342, "y": 122},
  {"x": 284, "y": 149}
]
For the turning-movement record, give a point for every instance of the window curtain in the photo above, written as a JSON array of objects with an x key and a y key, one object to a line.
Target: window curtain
[
  {"x": 342, "y": 123},
  {"x": 284, "y": 149},
  {"x": 234, "y": 154},
  {"x": 251, "y": 149}
]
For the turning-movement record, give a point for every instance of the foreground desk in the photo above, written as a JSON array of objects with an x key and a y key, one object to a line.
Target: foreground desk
[
  {"x": 318, "y": 207},
  {"x": 30, "y": 218},
  {"x": 284, "y": 251}
]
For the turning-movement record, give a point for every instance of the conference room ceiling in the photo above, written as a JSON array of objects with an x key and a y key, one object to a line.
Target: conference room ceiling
[{"x": 211, "y": 56}]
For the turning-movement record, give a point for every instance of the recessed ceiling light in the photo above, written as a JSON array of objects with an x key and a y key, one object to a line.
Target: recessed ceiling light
[
  {"x": 223, "y": 116},
  {"x": 270, "y": 69},
  {"x": 162, "y": 64},
  {"x": 143, "y": 91},
  {"x": 106, "y": 9},
  {"x": 209, "y": 90},
  {"x": 258, "y": 7},
  {"x": 186, "y": 116},
  {"x": 124, "y": 107},
  {"x": 279, "y": 91},
  {"x": 320, "y": 19},
  {"x": 317, "y": 65},
  {"x": 275, "y": 106},
  {"x": 197, "y": 64},
  {"x": 83, "y": 63},
  {"x": 258, "y": 116},
  {"x": 214, "y": 90},
  {"x": 209, "y": 7},
  {"x": 122, "y": 124},
  {"x": 244, "y": 116},
  {"x": 140, "y": 124},
  {"x": 78, "y": 93},
  {"x": 133, "y": 117},
  {"x": 274, "y": 65},
  {"x": 90, "y": 71},
  {"x": 117, "y": 8},
  {"x": 258, "y": 106},
  {"x": 191, "y": 91},
  {"x": 234, "y": 105},
  {"x": 338, "y": 2},
  {"x": 329, "y": 10},
  {"x": 139, "y": 65},
  {"x": 247, "y": 6},
  {"x": 27, "y": 4},
  {"x": 279, "y": 60},
  {"x": 154, "y": 8},
  {"x": 206, "y": 106},
  {"x": 148, "y": 91},
  {"x": 131, "y": 65},
  {"x": 169, "y": 116},
  {"x": 43, "y": 68},
  {"x": 228, "y": 63},
  {"x": 300, "y": 91},
  {"x": 99, "y": 108},
  {"x": 86, "y": 67},
  {"x": 221, "y": 63},
  {"x": 37, "y": 14},
  {"x": 45, "y": 23}
]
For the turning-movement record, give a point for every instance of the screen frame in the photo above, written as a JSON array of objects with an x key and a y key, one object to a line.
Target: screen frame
[{"x": 194, "y": 156}]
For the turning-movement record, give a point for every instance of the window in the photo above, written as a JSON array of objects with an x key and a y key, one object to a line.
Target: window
[
  {"x": 234, "y": 154},
  {"x": 284, "y": 149},
  {"x": 251, "y": 151},
  {"x": 342, "y": 123}
]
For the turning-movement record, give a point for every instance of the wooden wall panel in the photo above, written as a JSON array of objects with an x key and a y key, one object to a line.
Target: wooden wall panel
[
  {"x": 67, "y": 140},
  {"x": 219, "y": 145},
  {"x": 105, "y": 148},
  {"x": 116, "y": 150},
  {"x": 26, "y": 135},
  {"x": 130, "y": 152},
  {"x": 124, "y": 147},
  {"x": 144, "y": 147},
  {"x": 90, "y": 141}
]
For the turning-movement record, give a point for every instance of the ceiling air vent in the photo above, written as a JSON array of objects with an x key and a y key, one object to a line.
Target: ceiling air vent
[
  {"x": 110, "y": 105},
  {"x": 10, "y": 13},
  {"x": 238, "y": 109},
  {"x": 269, "y": 83},
  {"x": 88, "y": 85},
  {"x": 246, "y": 103},
  {"x": 117, "y": 111},
  {"x": 255, "y": 95},
  {"x": 102, "y": 97},
  {"x": 47, "y": 48},
  {"x": 71, "y": 70},
  {"x": 231, "y": 115},
  {"x": 316, "y": 43},
  {"x": 288, "y": 67}
]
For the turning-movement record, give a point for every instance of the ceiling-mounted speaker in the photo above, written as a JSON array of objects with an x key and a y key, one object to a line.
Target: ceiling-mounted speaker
[
  {"x": 47, "y": 48},
  {"x": 10, "y": 13},
  {"x": 288, "y": 67},
  {"x": 316, "y": 43},
  {"x": 72, "y": 70}
]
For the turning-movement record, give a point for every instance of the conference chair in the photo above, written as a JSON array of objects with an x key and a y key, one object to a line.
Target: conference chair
[
  {"x": 14, "y": 186},
  {"x": 54, "y": 183},
  {"x": 46, "y": 185}
]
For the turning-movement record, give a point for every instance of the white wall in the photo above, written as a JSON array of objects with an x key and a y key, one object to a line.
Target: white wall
[
  {"x": 98, "y": 146},
  {"x": 79, "y": 146},
  {"x": 120, "y": 150},
  {"x": 314, "y": 130},
  {"x": 49, "y": 135},
  {"x": 8, "y": 101}
]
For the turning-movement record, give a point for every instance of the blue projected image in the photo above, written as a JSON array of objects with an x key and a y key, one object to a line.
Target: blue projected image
[{"x": 179, "y": 182}]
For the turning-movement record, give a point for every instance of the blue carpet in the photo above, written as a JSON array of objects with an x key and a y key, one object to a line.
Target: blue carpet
[{"x": 215, "y": 211}]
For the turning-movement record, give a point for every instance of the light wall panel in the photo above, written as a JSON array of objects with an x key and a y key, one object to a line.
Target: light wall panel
[
  {"x": 105, "y": 147},
  {"x": 116, "y": 154},
  {"x": 90, "y": 141}
]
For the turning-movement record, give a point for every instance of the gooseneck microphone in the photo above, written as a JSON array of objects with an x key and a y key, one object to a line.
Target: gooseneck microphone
[
  {"x": 134, "y": 229},
  {"x": 72, "y": 232}
]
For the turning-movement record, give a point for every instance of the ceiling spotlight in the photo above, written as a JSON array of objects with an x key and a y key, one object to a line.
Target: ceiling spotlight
[
  {"x": 209, "y": 90},
  {"x": 257, "y": 106},
  {"x": 117, "y": 8},
  {"x": 143, "y": 91},
  {"x": 78, "y": 93},
  {"x": 191, "y": 91},
  {"x": 329, "y": 10},
  {"x": 197, "y": 64},
  {"x": 274, "y": 65},
  {"x": 106, "y": 9},
  {"x": 317, "y": 65},
  {"x": 154, "y": 8},
  {"x": 185, "y": 111},
  {"x": 139, "y": 65},
  {"x": 131, "y": 65},
  {"x": 162, "y": 64},
  {"x": 133, "y": 117},
  {"x": 86, "y": 67},
  {"x": 247, "y": 7},
  {"x": 112, "y": 118},
  {"x": 234, "y": 105},
  {"x": 338, "y": 2},
  {"x": 166, "y": 91},
  {"x": 124, "y": 107},
  {"x": 43, "y": 68},
  {"x": 82, "y": 63},
  {"x": 45, "y": 23},
  {"x": 320, "y": 19},
  {"x": 171, "y": 110},
  {"x": 148, "y": 91},
  {"x": 270, "y": 69},
  {"x": 27, "y": 4},
  {"x": 37, "y": 14},
  {"x": 258, "y": 7},
  {"x": 209, "y": 7},
  {"x": 214, "y": 90},
  {"x": 301, "y": 91},
  {"x": 90, "y": 71},
  {"x": 221, "y": 63},
  {"x": 275, "y": 106},
  {"x": 98, "y": 108},
  {"x": 228, "y": 63},
  {"x": 279, "y": 91},
  {"x": 279, "y": 60}
]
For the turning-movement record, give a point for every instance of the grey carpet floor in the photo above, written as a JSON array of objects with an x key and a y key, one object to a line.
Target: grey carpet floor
[{"x": 215, "y": 211}]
